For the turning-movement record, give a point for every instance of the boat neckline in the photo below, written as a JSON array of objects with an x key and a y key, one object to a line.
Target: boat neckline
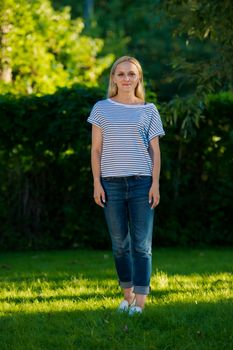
[{"x": 127, "y": 105}]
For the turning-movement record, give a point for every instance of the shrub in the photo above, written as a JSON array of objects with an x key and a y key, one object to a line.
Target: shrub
[{"x": 46, "y": 187}]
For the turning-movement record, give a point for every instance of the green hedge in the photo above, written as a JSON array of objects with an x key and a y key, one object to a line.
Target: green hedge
[
  {"x": 46, "y": 182},
  {"x": 46, "y": 186},
  {"x": 197, "y": 174}
]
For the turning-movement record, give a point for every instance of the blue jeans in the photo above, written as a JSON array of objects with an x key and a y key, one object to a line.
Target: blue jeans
[{"x": 129, "y": 219}]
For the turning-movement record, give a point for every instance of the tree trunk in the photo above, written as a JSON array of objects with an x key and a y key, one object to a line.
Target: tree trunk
[
  {"x": 5, "y": 60},
  {"x": 88, "y": 11}
]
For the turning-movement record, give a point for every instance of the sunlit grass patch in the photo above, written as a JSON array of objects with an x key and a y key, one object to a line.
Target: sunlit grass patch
[
  {"x": 195, "y": 287},
  {"x": 67, "y": 300}
]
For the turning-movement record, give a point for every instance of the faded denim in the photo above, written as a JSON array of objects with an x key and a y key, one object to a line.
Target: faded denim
[{"x": 130, "y": 219}]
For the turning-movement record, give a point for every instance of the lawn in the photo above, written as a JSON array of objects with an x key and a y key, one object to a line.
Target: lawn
[{"x": 66, "y": 300}]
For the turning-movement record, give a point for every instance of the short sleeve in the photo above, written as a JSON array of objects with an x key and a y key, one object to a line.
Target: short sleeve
[
  {"x": 95, "y": 117},
  {"x": 156, "y": 126}
]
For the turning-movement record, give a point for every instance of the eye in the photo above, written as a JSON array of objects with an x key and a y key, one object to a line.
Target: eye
[
  {"x": 132, "y": 75},
  {"x": 120, "y": 74}
]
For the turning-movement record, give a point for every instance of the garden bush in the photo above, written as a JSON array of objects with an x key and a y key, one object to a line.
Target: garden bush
[{"x": 46, "y": 186}]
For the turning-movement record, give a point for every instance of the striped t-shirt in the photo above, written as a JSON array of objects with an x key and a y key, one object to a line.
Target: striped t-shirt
[{"x": 127, "y": 131}]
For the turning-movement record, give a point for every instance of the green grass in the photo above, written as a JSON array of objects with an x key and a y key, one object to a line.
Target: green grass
[{"x": 67, "y": 300}]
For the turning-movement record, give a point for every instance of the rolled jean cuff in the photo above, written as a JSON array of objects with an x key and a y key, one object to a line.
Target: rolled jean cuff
[
  {"x": 144, "y": 290},
  {"x": 126, "y": 284}
]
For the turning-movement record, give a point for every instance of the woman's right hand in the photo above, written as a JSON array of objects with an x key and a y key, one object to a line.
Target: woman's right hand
[{"x": 99, "y": 194}]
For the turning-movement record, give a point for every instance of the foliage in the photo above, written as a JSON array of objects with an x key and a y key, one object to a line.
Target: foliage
[
  {"x": 133, "y": 27},
  {"x": 43, "y": 49},
  {"x": 68, "y": 300},
  {"x": 198, "y": 170},
  {"x": 46, "y": 182},
  {"x": 46, "y": 193},
  {"x": 208, "y": 22},
  {"x": 148, "y": 30}
]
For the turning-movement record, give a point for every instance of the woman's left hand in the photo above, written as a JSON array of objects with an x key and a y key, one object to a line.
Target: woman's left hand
[{"x": 154, "y": 195}]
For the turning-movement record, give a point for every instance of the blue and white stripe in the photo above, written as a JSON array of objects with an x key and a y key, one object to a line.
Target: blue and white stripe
[{"x": 127, "y": 131}]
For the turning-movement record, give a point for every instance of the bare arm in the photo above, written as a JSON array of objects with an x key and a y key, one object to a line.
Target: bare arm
[
  {"x": 96, "y": 151},
  {"x": 154, "y": 151}
]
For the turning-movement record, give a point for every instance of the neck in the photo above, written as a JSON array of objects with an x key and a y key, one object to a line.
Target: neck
[{"x": 126, "y": 97}]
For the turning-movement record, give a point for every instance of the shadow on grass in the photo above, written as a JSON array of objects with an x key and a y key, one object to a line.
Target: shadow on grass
[
  {"x": 115, "y": 292},
  {"x": 92, "y": 325},
  {"x": 177, "y": 326},
  {"x": 58, "y": 265}
]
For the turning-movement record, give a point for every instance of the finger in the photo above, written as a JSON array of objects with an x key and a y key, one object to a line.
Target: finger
[
  {"x": 155, "y": 202},
  {"x": 103, "y": 197},
  {"x": 98, "y": 201},
  {"x": 150, "y": 197}
]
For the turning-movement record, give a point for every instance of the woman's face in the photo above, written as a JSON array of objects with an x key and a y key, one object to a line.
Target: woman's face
[{"x": 126, "y": 76}]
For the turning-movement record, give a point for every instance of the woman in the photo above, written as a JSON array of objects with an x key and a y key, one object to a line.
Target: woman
[{"x": 125, "y": 161}]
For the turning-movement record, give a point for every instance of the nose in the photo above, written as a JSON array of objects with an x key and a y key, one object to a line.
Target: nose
[{"x": 126, "y": 77}]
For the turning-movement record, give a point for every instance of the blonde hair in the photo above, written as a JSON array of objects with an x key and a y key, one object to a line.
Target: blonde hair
[{"x": 112, "y": 87}]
